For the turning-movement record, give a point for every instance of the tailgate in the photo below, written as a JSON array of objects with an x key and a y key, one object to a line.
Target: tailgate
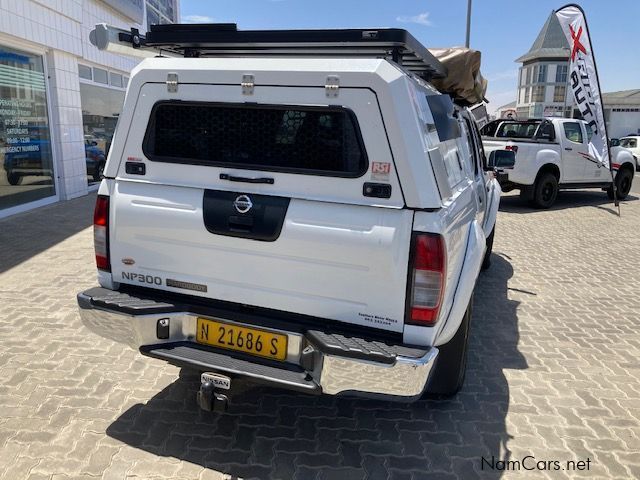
[{"x": 305, "y": 238}]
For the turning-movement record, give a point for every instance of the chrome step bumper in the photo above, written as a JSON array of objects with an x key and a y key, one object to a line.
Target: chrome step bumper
[{"x": 316, "y": 362}]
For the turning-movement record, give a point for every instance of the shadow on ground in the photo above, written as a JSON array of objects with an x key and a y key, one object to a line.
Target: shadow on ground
[
  {"x": 25, "y": 235},
  {"x": 512, "y": 203},
  {"x": 276, "y": 434}
]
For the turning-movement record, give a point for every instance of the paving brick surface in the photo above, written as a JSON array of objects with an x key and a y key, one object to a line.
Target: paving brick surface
[{"x": 554, "y": 372}]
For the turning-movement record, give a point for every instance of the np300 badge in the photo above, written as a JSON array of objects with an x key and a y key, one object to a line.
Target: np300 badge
[
  {"x": 138, "y": 277},
  {"x": 242, "y": 204}
]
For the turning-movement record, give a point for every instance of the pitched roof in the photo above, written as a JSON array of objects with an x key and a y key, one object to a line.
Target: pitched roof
[
  {"x": 508, "y": 105},
  {"x": 624, "y": 97},
  {"x": 550, "y": 43}
]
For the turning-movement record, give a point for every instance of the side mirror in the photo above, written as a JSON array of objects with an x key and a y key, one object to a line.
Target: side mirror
[{"x": 502, "y": 159}]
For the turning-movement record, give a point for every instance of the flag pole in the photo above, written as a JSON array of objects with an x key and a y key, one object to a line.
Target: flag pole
[
  {"x": 468, "y": 37},
  {"x": 616, "y": 202}
]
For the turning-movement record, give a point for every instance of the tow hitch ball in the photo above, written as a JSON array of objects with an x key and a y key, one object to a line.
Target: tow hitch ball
[{"x": 209, "y": 398}]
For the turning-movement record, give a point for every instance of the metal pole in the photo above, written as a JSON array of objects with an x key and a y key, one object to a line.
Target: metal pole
[
  {"x": 566, "y": 91},
  {"x": 467, "y": 42}
]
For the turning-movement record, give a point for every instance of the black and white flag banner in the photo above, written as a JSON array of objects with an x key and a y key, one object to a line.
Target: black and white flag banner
[{"x": 583, "y": 80}]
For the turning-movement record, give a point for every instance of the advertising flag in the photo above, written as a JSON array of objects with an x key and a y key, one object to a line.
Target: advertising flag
[{"x": 583, "y": 81}]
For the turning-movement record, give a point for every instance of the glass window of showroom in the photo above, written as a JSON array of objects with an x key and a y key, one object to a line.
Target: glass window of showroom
[
  {"x": 26, "y": 163},
  {"x": 102, "y": 96}
]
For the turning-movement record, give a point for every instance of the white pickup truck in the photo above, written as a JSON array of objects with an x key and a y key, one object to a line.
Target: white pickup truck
[
  {"x": 312, "y": 223},
  {"x": 552, "y": 154},
  {"x": 632, "y": 143}
]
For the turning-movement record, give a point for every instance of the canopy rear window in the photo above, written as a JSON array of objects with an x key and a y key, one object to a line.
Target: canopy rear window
[
  {"x": 309, "y": 140},
  {"x": 517, "y": 129},
  {"x": 628, "y": 142}
]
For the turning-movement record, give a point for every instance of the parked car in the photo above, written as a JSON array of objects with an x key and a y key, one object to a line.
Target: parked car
[
  {"x": 29, "y": 156},
  {"x": 552, "y": 154},
  {"x": 316, "y": 224},
  {"x": 632, "y": 143},
  {"x": 95, "y": 159}
]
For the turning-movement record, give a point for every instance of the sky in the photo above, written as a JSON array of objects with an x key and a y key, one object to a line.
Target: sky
[{"x": 501, "y": 29}]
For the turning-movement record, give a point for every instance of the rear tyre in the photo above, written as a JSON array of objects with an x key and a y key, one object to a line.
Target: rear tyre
[
  {"x": 486, "y": 262},
  {"x": 545, "y": 191},
  {"x": 14, "y": 178},
  {"x": 451, "y": 364},
  {"x": 624, "y": 179}
]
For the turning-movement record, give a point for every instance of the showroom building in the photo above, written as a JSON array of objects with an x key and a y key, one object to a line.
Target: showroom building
[{"x": 60, "y": 97}]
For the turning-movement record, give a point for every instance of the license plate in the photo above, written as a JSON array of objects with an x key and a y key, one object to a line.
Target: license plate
[{"x": 241, "y": 339}]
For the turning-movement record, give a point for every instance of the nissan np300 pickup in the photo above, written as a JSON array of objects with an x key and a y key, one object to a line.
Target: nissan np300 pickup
[{"x": 312, "y": 216}]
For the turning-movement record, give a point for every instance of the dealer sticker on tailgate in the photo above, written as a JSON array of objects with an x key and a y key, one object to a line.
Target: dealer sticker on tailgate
[{"x": 241, "y": 339}]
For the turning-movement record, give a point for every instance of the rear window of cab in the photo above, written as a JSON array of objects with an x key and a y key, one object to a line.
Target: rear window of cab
[{"x": 308, "y": 140}]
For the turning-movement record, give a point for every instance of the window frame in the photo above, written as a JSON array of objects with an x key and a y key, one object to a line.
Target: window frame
[
  {"x": 87, "y": 69},
  {"x": 561, "y": 97},
  {"x": 443, "y": 112},
  {"x": 480, "y": 161},
  {"x": 115, "y": 75},
  {"x": 101, "y": 70},
  {"x": 564, "y": 129},
  {"x": 260, "y": 168},
  {"x": 472, "y": 144},
  {"x": 564, "y": 68},
  {"x": 538, "y": 94},
  {"x": 542, "y": 74}
]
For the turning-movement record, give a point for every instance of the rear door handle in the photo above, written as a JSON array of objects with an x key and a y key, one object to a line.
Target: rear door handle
[
  {"x": 231, "y": 178},
  {"x": 568, "y": 149}
]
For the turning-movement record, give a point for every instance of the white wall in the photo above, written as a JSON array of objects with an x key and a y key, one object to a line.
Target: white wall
[
  {"x": 66, "y": 123},
  {"x": 94, "y": 12},
  {"x": 623, "y": 123},
  {"x": 59, "y": 30}
]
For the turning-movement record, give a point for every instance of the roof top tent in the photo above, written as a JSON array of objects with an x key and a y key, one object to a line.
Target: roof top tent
[{"x": 458, "y": 74}]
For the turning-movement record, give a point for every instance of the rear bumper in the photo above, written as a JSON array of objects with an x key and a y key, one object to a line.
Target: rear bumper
[{"x": 316, "y": 362}]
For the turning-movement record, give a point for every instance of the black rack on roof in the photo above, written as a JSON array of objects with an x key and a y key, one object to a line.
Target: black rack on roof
[{"x": 219, "y": 40}]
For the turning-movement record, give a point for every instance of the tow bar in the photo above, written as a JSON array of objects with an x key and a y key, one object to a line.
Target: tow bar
[{"x": 209, "y": 398}]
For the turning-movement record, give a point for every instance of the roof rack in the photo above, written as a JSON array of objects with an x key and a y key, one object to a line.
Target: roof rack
[{"x": 224, "y": 39}]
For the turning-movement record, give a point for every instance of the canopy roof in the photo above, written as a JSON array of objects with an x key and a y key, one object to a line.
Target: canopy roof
[{"x": 455, "y": 71}]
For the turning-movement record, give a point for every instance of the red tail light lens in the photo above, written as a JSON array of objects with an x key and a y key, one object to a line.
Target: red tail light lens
[
  {"x": 427, "y": 280},
  {"x": 101, "y": 233},
  {"x": 513, "y": 148}
]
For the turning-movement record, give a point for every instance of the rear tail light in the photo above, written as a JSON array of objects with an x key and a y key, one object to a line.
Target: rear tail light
[
  {"x": 513, "y": 148},
  {"x": 101, "y": 233},
  {"x": 427, "y": 279}
]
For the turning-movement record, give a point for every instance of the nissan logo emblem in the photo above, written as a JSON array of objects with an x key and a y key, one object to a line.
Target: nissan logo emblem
[{"x": 243, "y": 204}]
